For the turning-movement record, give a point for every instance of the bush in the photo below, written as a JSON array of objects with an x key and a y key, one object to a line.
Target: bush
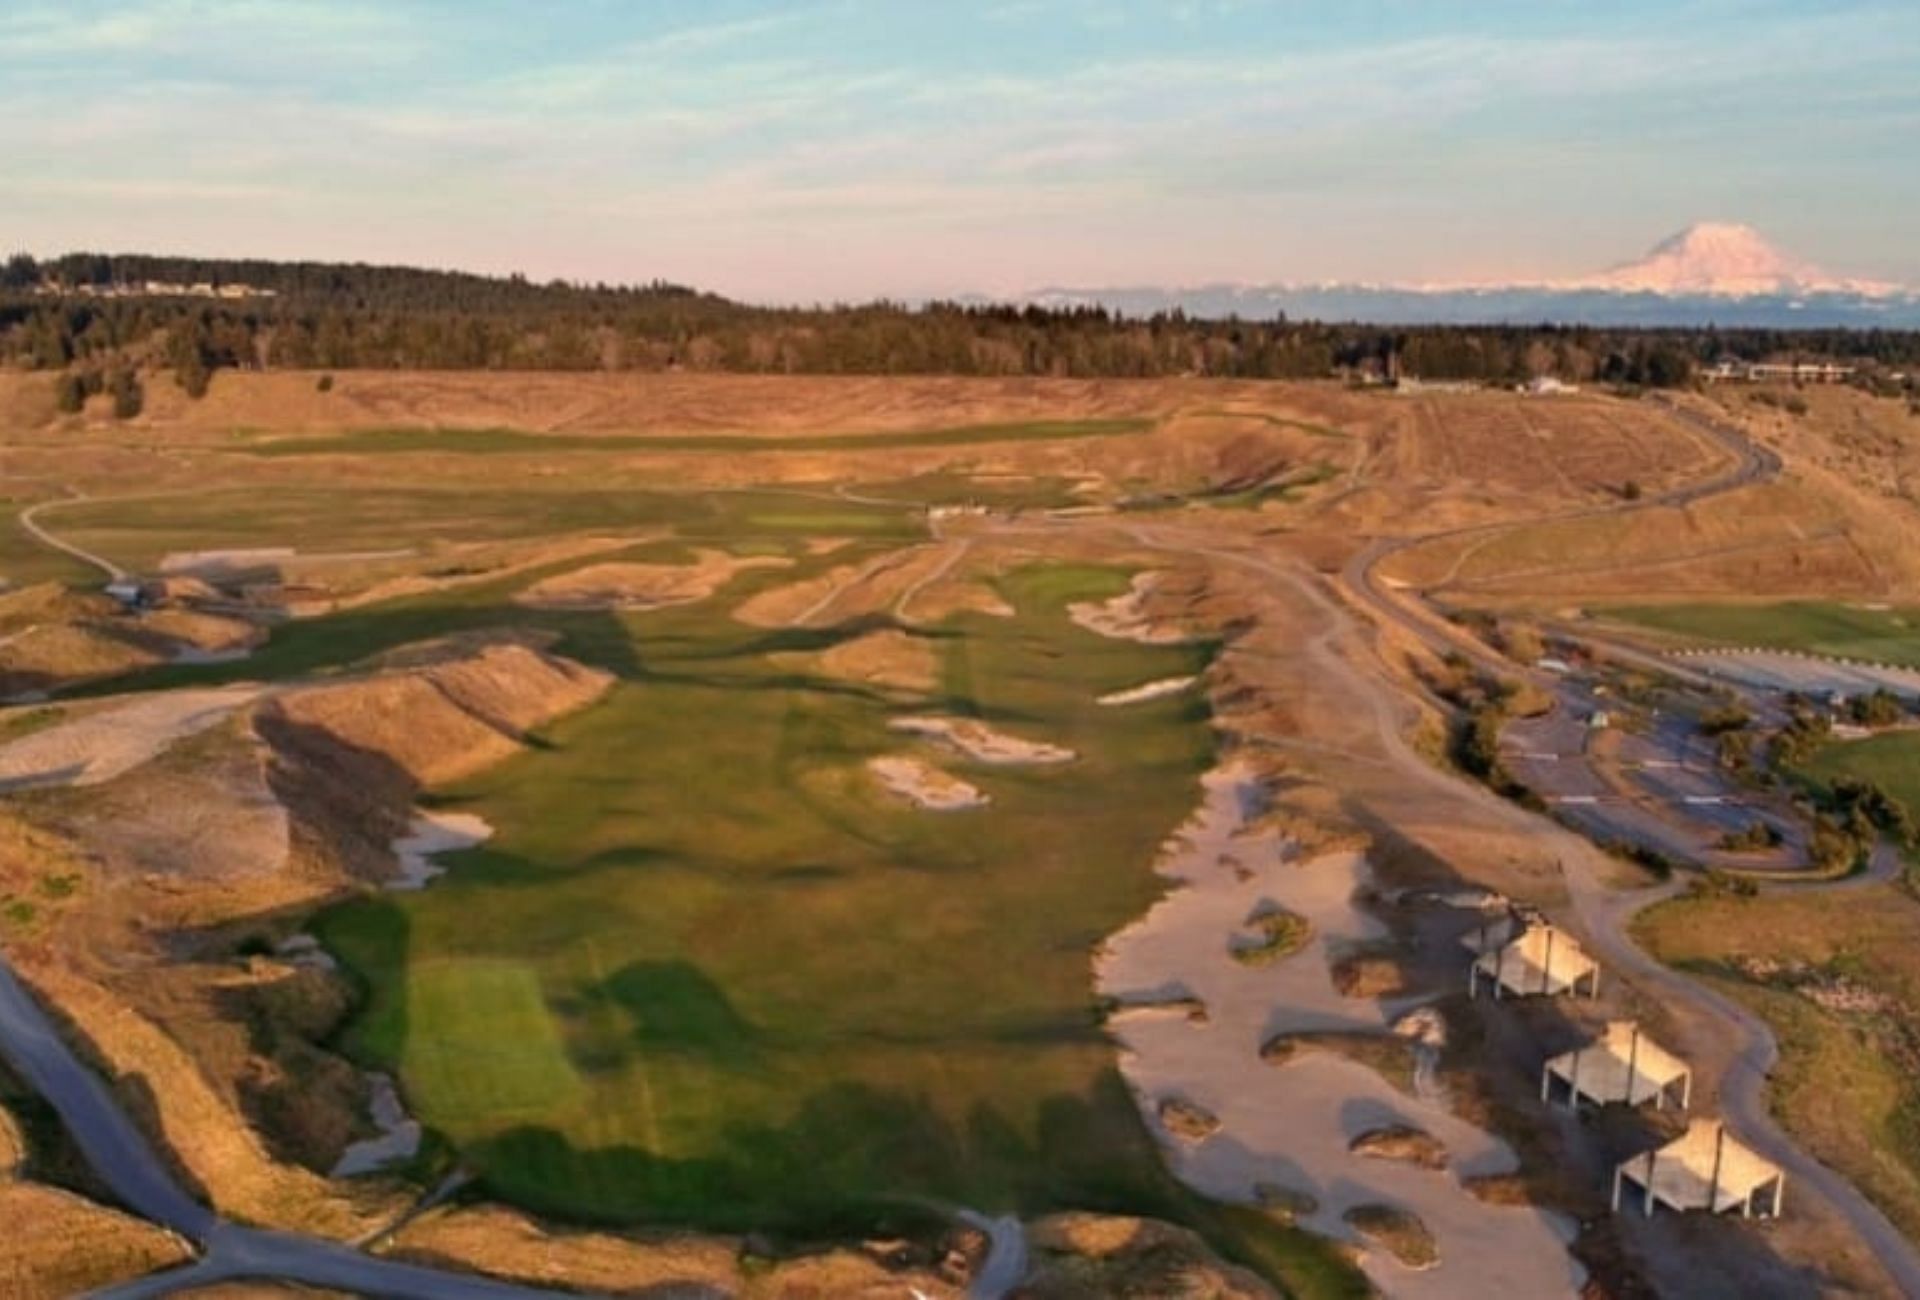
[
  {"x": 69, "y": 394},
  {"x": 1880, "y": 709},
  {"x": 1756, "y": 838},
  {"x": 128, "y": 397},
  {"x": 325, "y": 384}
]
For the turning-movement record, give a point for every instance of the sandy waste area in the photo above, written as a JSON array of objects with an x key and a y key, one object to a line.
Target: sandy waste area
[
  {"x": 1291, "y": 1126},
  {"x": 103, "y": 744},
  {"x": 433, "y": 833}
]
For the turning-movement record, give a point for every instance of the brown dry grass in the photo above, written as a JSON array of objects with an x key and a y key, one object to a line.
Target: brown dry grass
[
  {"x": 505, "y": 1243},
  {"x": 1086, "y": 1255},
  {"x": 444, "y": 718},
  {"x": 62, "y": 1245},
  {"x": 891, "y": 660},
  {"x": 630, "y": 585}
]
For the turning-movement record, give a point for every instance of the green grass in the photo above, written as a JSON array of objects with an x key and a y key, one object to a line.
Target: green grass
[
  {"x": 495, "y": 442},
  {"x": 320, "y": 520},
  {"x": 706, "y": 973},
  {"x": 1823, "y": 627},
  {"x": 787, "y": 1001},
  {"x": 1890, "y": 760}
]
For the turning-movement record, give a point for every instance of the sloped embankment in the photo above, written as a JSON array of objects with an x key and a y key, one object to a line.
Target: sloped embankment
[
  {"x": 160, "y": 974},
  {"x": 353, "y": 754}
]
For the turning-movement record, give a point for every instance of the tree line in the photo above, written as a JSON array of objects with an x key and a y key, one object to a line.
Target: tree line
[{"x": 68, "y": 314}]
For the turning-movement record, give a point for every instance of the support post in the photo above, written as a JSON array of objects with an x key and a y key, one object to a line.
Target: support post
[
  {"x": 1713, "y": 1185},
  {"x": 1651, "y": 1157},
  {"x": 1619, "y": 1172},
  {"x": 1633, "y": 1063},
  {"x": 1546, "y": 968}
]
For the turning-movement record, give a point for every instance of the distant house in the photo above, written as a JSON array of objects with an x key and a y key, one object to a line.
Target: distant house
[
  {"x": 1728, "y": 369},
  {"x": 1548, "y": 386}
]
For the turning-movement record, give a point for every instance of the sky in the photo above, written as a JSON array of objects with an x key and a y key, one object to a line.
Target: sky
[{"x": 849, "y": 149}]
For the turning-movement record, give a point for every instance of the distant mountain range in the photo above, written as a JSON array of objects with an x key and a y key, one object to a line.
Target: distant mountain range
[{"x": 1710, "y": 273}]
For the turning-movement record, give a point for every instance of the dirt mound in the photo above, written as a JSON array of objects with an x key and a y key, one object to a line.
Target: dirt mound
[
  {"x": 440, "y": 712},
  {"x": 1399, "y": 1232},
  {"x": 1081, "y": 1255},
  {"x": 63, "y": 1245},
  {"x": 216, "y": 1147},
  {"x": 504, "y": 1243},
  {"x": 1125, "y": 617},
  {"x": 891, "y": 660},
  {"x": 202, "y": 812},
  {"x": 1403, "y": 1143},
  {"x": 628, "y": 585},
  {"x": 52, "y": 638},
  {"x": 846, "y": 591},
  {"x": 103, "y": 743}
]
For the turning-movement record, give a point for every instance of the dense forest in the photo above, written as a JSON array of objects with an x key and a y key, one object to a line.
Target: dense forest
[{"x": 99, "y": 320}]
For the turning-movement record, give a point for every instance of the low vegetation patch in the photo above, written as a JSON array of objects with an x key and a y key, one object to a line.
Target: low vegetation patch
[
  {"x": 1837, "y": 977},
  {"x": 1274, "y": 933},
  {"x": 1398, "y": 1232}
]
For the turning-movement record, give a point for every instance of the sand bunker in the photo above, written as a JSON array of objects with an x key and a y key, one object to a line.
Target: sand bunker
[
  {"x": 620, "y": 585},
  {"x": 103, "y": 744},
  {"x": 1149, "y": 691},
  {"x": 430, "y": 834},
  {"x": 398, "y": 1139},
  {"x": 1292, "y": 1125},
  {"x": 1125, "y": 618},
  {"x": 925, "y": 785},
  {"x": 981, "y": 743}
]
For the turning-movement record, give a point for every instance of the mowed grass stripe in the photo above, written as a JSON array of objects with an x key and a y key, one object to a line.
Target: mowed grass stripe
[
  {"x": 1890, "y": 636},
  {"x": 503, "y": 442},
  {"x": 493, "y": 1053}
]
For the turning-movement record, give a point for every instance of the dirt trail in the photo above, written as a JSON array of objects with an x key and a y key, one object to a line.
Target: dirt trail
[{"x": 30, "y": 521}]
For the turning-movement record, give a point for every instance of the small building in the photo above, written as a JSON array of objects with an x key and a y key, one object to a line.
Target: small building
[
  {"x": 1528, "y": 957},
  {"x": 1548, "y": 386},
  {"x": 1623, "y": 1065},
  {"x": 1704, "y": 1169}
]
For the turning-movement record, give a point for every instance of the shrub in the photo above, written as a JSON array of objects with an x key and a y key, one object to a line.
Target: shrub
[
  {"x": 324, "y": 384},
  {"x": 128, "y": 397},
  {"x": 69, "y": 394}
]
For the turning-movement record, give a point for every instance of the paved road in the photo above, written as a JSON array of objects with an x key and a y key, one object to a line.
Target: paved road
[
  {"x": 1715, "y": 1027},
  {"x": 119, "y": 1153}
]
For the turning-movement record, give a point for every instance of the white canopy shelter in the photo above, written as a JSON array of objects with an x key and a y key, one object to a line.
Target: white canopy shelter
[
  {"x": 1704, "y": 1169},
  {"x": 1530, "y": 958},
  {"x": 1622, "y": 1065}
]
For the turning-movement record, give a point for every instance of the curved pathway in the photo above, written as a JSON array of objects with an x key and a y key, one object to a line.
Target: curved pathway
[
  {"x": 1727, "y": 1031},
  {"x": 30, "y": 521}
]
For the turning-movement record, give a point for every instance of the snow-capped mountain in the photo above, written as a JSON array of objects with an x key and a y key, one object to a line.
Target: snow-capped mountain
[
  {"x": 1723, "y": 259},
  {"x": 1710, "y": 273}
]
